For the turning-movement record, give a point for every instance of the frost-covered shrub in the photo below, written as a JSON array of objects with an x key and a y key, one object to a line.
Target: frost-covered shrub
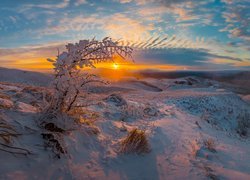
[
  {"x": 69, "y": 79},
  {"x": 135, "y": 142}
]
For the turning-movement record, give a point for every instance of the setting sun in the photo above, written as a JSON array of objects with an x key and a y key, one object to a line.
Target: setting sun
[{"x": 115, "y": 66}]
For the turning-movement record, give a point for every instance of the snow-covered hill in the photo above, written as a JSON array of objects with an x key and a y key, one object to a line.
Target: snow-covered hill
[
  {"x": 25, "y": 77},
  {"x": 196, "y": 129}
]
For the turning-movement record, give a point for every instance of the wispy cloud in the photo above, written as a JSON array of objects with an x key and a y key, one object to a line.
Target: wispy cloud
[
  {"x": 124, "y": 1},
  {"x": 121, "y": 26},
  {"x": 80, "y": 2},
  {"x": 118, "y": 26},
  {"x": 60, "y": 5},
  {"x": 237, "y": 15}
]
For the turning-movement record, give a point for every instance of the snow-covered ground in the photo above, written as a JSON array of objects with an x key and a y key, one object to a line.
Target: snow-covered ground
[{"x": 196, "y": 129}]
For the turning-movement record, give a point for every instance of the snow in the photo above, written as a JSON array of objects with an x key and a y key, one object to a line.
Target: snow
[
  {"x": 177, "y": 121},
  {"x": 246, "y": 98},
  {"x": 9, "y": 87},
  {"x": 23, "y": 107},
  {"x": 5, "y": 103},
  {"x": 218, "y": 108}
]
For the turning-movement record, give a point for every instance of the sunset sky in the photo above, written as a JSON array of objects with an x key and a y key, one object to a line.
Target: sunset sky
[{"x": 166, "y": 34}]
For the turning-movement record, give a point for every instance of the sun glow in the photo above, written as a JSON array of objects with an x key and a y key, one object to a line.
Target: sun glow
[{"x": 116, "y": 66}]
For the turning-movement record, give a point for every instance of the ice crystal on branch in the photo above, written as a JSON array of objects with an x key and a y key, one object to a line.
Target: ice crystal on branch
[{"x": 69, "y": 78}]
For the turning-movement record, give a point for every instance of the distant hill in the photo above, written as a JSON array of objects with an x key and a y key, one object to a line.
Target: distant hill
[
  {"x": 24, "y": 77},
  {"x": 216, "y": 75},
  {"x": 238, "y": 80}
]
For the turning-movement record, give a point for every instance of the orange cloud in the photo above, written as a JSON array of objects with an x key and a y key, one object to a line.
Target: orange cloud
[{"x": 121, "y": 26}]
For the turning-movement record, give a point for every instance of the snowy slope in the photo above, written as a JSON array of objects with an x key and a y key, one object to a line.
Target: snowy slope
[
  {"x": 25, "y": 77},
  {"x": 192, "y": 125}
]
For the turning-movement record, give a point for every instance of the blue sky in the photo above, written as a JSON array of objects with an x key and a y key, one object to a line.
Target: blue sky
[{"x": 195, "y": 34}]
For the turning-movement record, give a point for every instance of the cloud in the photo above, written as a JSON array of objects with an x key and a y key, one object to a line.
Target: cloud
[
  {"x": 36, "y": 56},
  {"x": 234, "y": 44},
  {"x": 121, "y": 26},
  {"x": 160, "y": 42},
  {"x": 118, "y": 26},
  {"x": 237, "y": 18},
  {"x": 32, "y": 52},
  {"x": 227, "y": 1},
  {"x": 147, "y": 24},
  {"x": 125, "y": 1},
  {"x": 183, "y": 11},
  {"x": 184, "y": 14},
  {"x": 183, "y": 56},
  {"x": 80, "y": 2},
  {"x": 77, "y": 24},
  {"x": 174, "y": 3},
  {"x": 242, "y": 33},
  {"x": 180, "y": 13},
  {"x": 162, "y": 2},
  {"x": 13, "y": 19},
  {"x": 60, "y": 5}
]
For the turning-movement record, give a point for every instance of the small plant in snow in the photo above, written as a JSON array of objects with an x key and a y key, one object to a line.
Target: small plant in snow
[{"x": 69, "y": 79}]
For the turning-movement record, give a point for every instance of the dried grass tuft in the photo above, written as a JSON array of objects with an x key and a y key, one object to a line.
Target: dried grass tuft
[{"x": 135, "y": 142}]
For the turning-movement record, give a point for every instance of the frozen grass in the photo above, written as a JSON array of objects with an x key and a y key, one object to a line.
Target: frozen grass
[
  {"x": 7, "y": 134},
  {"x": 83, "y": 112},
  {"x": 135, "y": 142},
  {"x": 85, "y": 119},
  {"x": 88, "y": 125}
]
